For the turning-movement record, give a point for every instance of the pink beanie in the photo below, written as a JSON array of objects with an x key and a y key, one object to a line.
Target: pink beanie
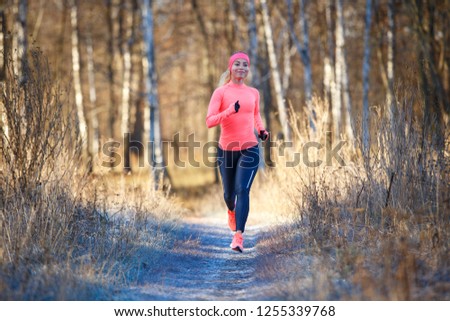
[{"x": 237, "y": 55}]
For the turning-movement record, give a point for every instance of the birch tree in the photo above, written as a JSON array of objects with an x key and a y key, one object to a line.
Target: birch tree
[
  {"x": 287, "y": 65},
  {"x": 331, "y": 89},
  {"x": 307, "y": 66},
  {"x": 390, "y": 61},
  {"x": 436, "y": 101},
  {"x": 136, "y": 86},
  {"x": 126, "y": 45},
  {"x": 341, "y": 71},
  {"x": 256, "y": 77},
  {"x": 152, "y": 94},
  {"x": 235, "y": 23},
  {"x": 253, "y": 45},
  {"x": 82, "y": 125},
  {"x": 275, "y": 74},
  {"x": 213, "y": 135},
  {"x": 303, "y": 51},
  {"x": 20, "y": 43},
  {"x": 92, "y": 120},
  {"x": 112, "y": 11},
  {"x": 365, "y": 76},
  {"x": 60, "y": 43},
  {"x": 206, "y": 44},
  {"x": 3, "y": 31},
  {"x": 4, "y": 48}
]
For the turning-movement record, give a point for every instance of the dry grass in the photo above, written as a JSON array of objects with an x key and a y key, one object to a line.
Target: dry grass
[
  {"x": 374, "y": 229},
  {"x": 65, "y": 235}
]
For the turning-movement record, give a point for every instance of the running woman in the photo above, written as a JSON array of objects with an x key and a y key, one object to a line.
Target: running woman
[{"x": 235, "y": 107}]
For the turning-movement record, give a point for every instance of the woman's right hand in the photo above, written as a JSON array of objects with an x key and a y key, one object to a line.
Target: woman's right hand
[
  {"x": 234, "y": 108},
  {"x": 237, "y": 106}
]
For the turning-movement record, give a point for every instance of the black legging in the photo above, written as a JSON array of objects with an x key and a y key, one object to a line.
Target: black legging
[{"x": 238, "y": 170}]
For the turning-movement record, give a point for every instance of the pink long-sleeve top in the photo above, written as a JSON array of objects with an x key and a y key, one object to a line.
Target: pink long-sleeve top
[{"x": 237, "y": 129}]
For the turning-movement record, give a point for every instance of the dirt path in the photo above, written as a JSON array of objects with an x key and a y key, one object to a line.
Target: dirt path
[{"x": 201, "y": 266}]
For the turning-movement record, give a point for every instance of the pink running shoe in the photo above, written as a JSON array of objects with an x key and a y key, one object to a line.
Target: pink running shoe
[
  {"x": 232, "y": 220},
  {"x": 238, "y": 242}
]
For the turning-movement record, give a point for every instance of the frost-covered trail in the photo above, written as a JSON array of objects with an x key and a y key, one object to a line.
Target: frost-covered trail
[{"x": 201, "y": 266}]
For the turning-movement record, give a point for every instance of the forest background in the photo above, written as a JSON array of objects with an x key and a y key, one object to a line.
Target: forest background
[{"x": 105, "y": 102}]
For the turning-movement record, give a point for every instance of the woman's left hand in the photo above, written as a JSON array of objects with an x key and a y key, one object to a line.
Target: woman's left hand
[{"x": 263, "y": 134}]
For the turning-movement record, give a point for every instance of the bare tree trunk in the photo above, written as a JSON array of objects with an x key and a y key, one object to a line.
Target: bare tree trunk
[
  {"x": 113, "y": 27},
  {"x": 341, "y": 71},
  {"x": 445, "y": 43},
  {"x": 418, "y": 10},
  {"x": 126, "y": 43},
  {"x": 253, "y": 48},
  {"x": 40, "y": 16},
  {"x": 333, "y": 94},
  {"x": 256, "y": 78},
  {"x": 365, "y": 72},
  {"x": 442, "y": 108},
  {"x": 146, "y": 110},
  {"x": 136, "y": 82},
  {"x": 438, "y": 103},
  {"x": 287, "y": 66},
  {"x": 5, "y": 48},
  {"x": 328, "y": 80},
  {"x": 3, "y": 33},
  {"x": 61, "y": 38},
  {"x": 390, "y": 97},
  {"x": 282, "y": 113},
  {"x": 307, "y": 66},
  {"x": 20, "y": 43},
  {"x": 337, "y": 100},
  {"x": 93, "y": 126},
  {"x": 152, "y": 94},
  {"x": 303, "y": 51},
  {"x": 82, "y": 125},
  {"x": 213, "y": 135},
  {"x": 266, "y": 97},
  {"x": 207, "y": 46},
  {"x": 235, "y": 23}
]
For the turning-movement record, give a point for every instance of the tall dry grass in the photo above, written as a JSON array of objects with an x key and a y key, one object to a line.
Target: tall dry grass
[
  {"x": 66, "y": 235},
  {"x": 376, "y": 228}
]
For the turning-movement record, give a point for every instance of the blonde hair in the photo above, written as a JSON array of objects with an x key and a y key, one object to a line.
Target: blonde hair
[{"x": 224, "y": 78}]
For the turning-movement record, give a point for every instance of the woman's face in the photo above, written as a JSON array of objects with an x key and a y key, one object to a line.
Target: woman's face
[{"x": 239, "y": 69}]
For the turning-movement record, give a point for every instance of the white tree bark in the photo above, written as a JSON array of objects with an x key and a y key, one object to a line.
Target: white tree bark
[
  {"x": 330, "y": 75},
  {"x": 282, "y": 113},
  {"x": 82, "y": 125},
  {"x": 341, "y": 71},
  {"x": 126, "y": 84},
  {"x": 93, "y": 138},
  {"x": 366, "y": 73},
  {"x": 125, "y": 126},
  {"x": 3, "y": 31},
  {"x": 390, "y": 98},
  {"x": 146, "y": 112},
  {"x": 152, "y": 92},
  {"x": 287, "y": 66}
]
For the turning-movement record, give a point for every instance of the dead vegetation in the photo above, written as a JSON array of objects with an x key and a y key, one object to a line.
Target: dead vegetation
[
  {"x": 374, "y": 229},
  {"x": 66, "y": 235}
]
